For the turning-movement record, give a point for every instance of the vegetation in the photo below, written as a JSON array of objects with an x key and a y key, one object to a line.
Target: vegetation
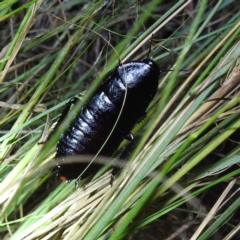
[{"x": 181, "y": 180}]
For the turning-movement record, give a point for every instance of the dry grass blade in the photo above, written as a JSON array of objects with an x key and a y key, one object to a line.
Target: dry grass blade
[
  {"x": 74, "y": 209},
  {"x": 185, "y": 157},
  {"x": 213, "y": 211},
  {"x": 229, "y": 86}
]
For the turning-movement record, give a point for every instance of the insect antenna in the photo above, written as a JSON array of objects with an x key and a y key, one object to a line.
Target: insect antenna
[
  {"x": 170, "y": 70},
  {"x": 150, "y": 48}
]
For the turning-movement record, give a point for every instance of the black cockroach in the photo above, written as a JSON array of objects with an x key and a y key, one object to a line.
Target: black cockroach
[{"x": 127, "y": 90}]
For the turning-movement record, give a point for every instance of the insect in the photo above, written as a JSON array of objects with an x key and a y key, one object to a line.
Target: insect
[{"x": 130, "y": 86}]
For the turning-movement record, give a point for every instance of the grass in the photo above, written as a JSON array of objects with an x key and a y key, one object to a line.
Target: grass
[{"x": 181, "y": 179}]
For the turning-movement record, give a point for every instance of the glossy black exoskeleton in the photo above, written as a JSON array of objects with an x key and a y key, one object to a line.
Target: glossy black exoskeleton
[{"x": 131, "y": 85}]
